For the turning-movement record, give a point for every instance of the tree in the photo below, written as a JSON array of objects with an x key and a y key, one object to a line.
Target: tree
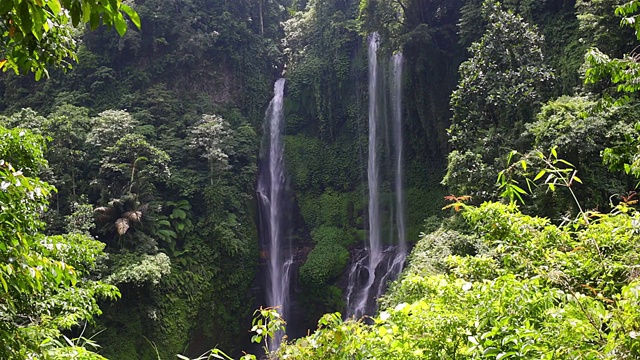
[
  {"x": 26, "y": 118},
  {"x": 623, "y": 73},
  {"x": 108, "y": 127},
  {"x": 45, "y": 282},
  {"x": 133, "y": 164},
  {"x": 68, "y": 127},
  {"x": 210, "y": 135},
  {"x": 39, "y": 34},
  {"x": 500, "y": 89}
]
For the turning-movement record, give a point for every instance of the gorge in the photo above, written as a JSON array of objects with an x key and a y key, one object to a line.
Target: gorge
[{"x": 302, "y": 156}]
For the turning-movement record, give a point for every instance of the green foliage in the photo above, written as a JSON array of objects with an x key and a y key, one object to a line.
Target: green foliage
[
  {"x": 324, "y": 263},
  {"x": 210, "y": 136},
  {"x": 621, "y": 72},
  {"x": 81, "y": 219},
  {"x": 331, "y": 208},
  {"x": 467, "y": 173},
  {"x": 315, "y": 164},
  {"x": 600, "y": 25},
  {"x": 524, "y": 288},
  {"x": 146, "y": 269},
  {"x": 201, "y": 58},
  {"x": 67, "y": 152},
  {"x": 108, "y": 127},
  {"x": 499, "y": 90},
  {"x": 45, "y": 282},
  {"x": 429, "y": 256},
  {"x": 133, "y": 162},
  {"x": 37, "y": 35},
  {"x": 265, "y": 324},
  {"x": 321, "y": 40},
  {"x": 22, "y": 148}
]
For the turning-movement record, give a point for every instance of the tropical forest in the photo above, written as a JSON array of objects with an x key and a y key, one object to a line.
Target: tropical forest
[{"x": 319, "y": 179}]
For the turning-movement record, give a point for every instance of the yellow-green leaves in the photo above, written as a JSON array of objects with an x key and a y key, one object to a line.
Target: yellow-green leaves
[
  {"x": 37, "y": 34},
  {"x": 135, "y": 18}
]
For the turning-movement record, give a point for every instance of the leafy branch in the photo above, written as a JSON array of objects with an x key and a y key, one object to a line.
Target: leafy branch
[{"x": 558, "y": 172}]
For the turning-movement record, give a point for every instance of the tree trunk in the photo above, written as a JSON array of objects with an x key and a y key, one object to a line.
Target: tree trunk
[
  {"x": 261, "y": 19},
  {"x": 211, "y": 171}
]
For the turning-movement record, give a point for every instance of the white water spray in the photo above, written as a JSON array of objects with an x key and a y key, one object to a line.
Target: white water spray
[
  {"x": 396, "y": 101},
  {"x": 373, "y": 268},
  {"x": 356, "y": 306},
  {"x": 271, "y": 186}
]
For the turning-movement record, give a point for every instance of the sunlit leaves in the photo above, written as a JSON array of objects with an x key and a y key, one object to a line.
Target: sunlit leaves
[
  {"x": 37, "y": 34},
  {"x": 629, "y": 13},
  {"x": 43, "y": 280},
  {"x": 533, "y": 291},
  {"x": 132, "y": 163}
]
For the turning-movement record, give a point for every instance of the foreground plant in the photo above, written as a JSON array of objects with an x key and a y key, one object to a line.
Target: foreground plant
[
  {"x": 266, "y": 323},
  {"x": 45, "y": 281}
]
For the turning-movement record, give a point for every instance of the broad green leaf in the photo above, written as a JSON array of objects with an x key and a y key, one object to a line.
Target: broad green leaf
[
  {"x": 86, "y": 11},
  {"x": 120, "y": 24},
  {"x": 26, "y": 23},
  {"x": 518, "y": 189},
  {"x": 54, "y": 5},
  {"x": 135, "y": 18},
  {"x": 4, "y": 283},
  {"x": 94, "y": 20}
]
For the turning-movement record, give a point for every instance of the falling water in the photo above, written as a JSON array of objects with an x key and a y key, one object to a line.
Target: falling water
[
  {"x": 270, "y": 189},
  {"x": 396, "y": 101},
  {"x": 373, "y": 170},
  {"x": 372, "y": 268},
  {"x": 395, "y": 263},
  {"x": 357, "y": 306}
]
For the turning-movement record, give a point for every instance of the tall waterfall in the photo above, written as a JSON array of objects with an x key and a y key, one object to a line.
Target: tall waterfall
[
  {"x": 395, "y": 264},
  {"x": 357, "y": 305},
  {"x": 396, "y": 101},
  {"x": 271, "y": 186},
  {"x": 373, "y": 166},
  {"x": 373, "y": 268}
]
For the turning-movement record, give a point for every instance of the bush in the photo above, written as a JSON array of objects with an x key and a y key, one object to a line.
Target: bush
[{"x": 521, "y": 288}]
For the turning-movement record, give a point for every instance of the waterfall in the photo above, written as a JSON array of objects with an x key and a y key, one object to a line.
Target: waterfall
[
  {"x": 373, "y": 166},
  {"x": 396, "y": 100},
  {"x": 271, "y": 186},
  {"x": 372, "y": 269},
  {"x": 396, "y": 263},
  {"x": 358, "y": 306}
]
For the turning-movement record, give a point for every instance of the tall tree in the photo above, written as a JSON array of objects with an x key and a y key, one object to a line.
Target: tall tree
[
  {"x": 210, "y": 136},
  {"x": 501, "y": 87},
  {"x": 133, "y": 165}
]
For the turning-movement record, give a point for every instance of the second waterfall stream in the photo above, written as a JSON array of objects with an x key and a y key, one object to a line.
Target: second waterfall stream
[{"x": 382, "y": 259}]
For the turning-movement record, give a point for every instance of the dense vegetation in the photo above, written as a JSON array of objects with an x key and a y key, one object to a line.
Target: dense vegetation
[
  {"x": 493, "y": 282},
  {"x": 127, "y": 182}
]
